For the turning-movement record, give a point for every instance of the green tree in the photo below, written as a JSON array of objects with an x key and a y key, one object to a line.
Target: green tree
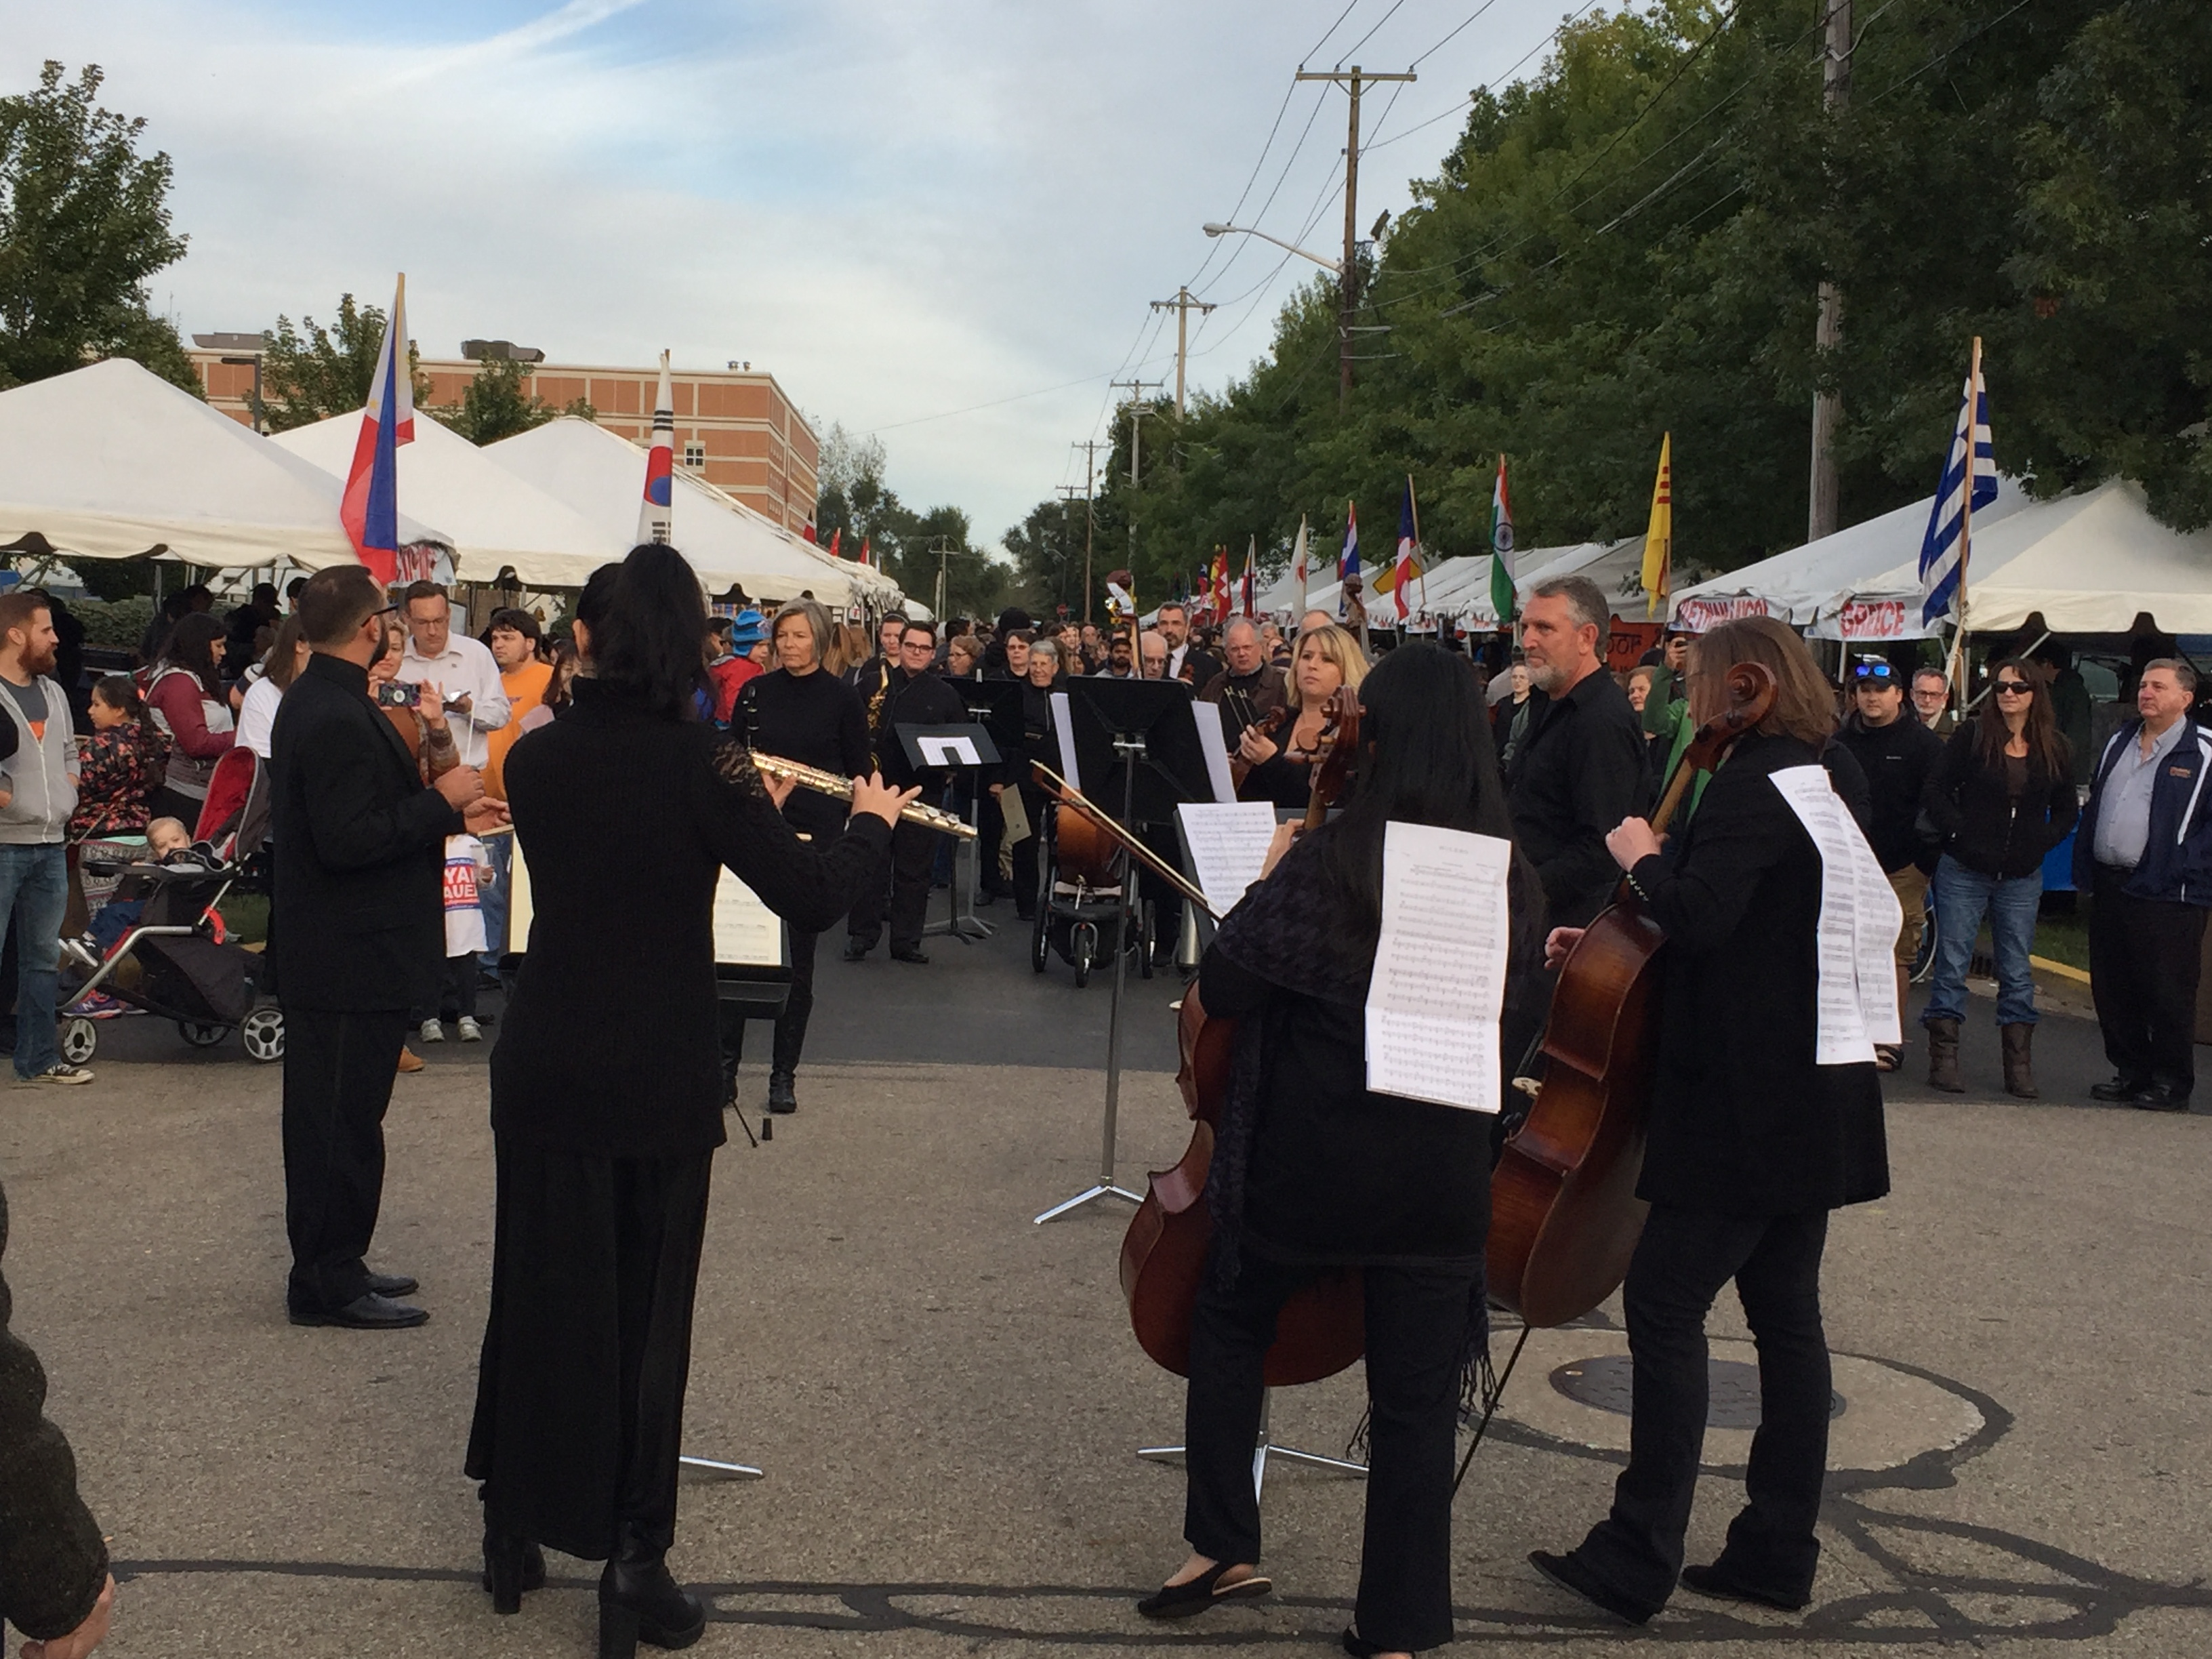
[
  {"x": 84, "y": 220},
  {"x": 1047, "y": 550},
  {"x": 494, "y": 406},
  {"x": 312, "y": 373}
]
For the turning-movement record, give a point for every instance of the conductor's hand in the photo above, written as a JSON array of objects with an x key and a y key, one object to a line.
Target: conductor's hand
[
  {"x": 485, "y": 814},
  {"x": 1560, "y": 941},
  {"x": 873, "y": 794},
  {"x": 1631, "y": 843},
  {"x": 1278, "y": 844},
  {"x": 462, "y": 786},
  {"x": 85, "y": 1637}
]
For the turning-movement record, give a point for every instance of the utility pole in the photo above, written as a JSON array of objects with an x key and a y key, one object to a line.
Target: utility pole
[
  {"x": 1138, "y": 409},
  {"x": 1825, "y": 506},
  {"x": 1090, "y": 448},
  {"x": 1352, "y": 78},
  {"x": 1182, "y": 305}
]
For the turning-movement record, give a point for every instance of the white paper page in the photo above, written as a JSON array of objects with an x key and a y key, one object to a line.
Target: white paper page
[
  {"x": 1438, "y": 989},
  {"x": 747, "y": 933},
  {"x": 1213, "y": 744},
  {"x": 1228, "y": 847},
  {"x": 1063, "y": 725},
  {"x": 520, "y": 906},
  {"x": 1859, "y": 922},
  {"x": 947, "y": 751}
]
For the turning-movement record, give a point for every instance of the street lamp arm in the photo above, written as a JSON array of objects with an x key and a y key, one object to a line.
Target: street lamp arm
[{"x": 1335, "y": 266}]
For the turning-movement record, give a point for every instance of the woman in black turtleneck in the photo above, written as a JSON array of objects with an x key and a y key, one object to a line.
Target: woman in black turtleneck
[{"x": 799, "y": 713}]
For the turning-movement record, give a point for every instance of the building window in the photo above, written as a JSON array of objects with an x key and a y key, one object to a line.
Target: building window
[{"x": 695, "y": 454}]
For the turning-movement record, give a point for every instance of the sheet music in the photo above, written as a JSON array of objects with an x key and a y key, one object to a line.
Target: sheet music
[
  {"x": 1063, "y": 726},
  {"x": 520, "y": 906},
  {"x": 1213, "y": 744},
  {"x": 1228, "y": 844},
  {"x": 747, "y": 933},
  {"x": 1860, "y": 917},
  {"x": 1438, "y": 989},
  {"x": 949, "y": 751}
]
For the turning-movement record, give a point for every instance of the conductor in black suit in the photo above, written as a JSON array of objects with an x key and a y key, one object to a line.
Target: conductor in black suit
[{"x": 359, "y": 861}]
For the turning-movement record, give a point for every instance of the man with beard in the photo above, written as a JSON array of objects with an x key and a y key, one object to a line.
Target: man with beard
[
  {"x": 39, "y": 790},
  {"x": 360, "y": 880},
  {"x": 1121, "y": 657},
  {"x": 1185, "y": 661},
  {"x": 1580, "y": 770},
  {"x": 1251, "y": 687},
  {"x": 912, "y": 695}
]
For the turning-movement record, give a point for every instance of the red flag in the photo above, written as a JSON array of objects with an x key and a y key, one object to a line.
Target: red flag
[
  {"x": 809, "y": 531},
  {"x": 867, "y": 550},
  {"x": 836, "y": 541}
]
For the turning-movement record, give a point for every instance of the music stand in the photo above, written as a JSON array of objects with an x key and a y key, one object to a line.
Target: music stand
[
  {"x": 1115, "y": 725},
  {"x": 959, "y": 748}
]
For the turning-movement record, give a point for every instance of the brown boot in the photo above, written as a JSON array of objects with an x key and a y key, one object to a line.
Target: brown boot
[
  {"x": 2019, "y": 1068},
  {"x": 1943, "y": 1056}
]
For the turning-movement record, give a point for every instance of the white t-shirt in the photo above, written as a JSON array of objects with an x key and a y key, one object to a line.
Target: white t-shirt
[
  {"x": 256, "y": 716},
  {"x": 465, "y": 919}
]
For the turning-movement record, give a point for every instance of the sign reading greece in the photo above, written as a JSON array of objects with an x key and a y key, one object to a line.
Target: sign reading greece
[{"x": 1871, "y": 619}]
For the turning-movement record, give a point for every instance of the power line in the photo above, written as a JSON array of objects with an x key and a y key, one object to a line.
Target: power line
[{"x": 1369, "y": 35}]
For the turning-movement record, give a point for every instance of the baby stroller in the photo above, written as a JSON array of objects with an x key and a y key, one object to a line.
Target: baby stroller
[{"x": 1079, "y": 913}]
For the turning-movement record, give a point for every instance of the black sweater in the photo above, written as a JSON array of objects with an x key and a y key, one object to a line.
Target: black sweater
[
  {"x": 1982, "y": 826},
  {"x": 1580, "y": 770},
  {"x": 1896, "y": 759},
  {"x": 627, "y": 820},
  {"x": 815, "y": 720}
]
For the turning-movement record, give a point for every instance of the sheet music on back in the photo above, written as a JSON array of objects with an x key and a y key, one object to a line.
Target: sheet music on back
[
  {"x": 1213, "y": 744},
  {"x": 747, "y": 933},
  {"x": 1228, "y": 845},
  {"x": 1860, "y": 917},
  {"x": 1437, "y": 993},
  {"x": 949, "y": 751}
]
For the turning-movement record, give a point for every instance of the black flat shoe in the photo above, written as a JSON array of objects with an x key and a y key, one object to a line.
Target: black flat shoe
[
  {"x": 638, "y": 1601},
  {"x": 1359, "y": 1646},
  {"x": 783, "y": 1096},
  {"x": 512, "y": 1566},
  {"x": 920, "y": 957},
  {"x": 392, "y": 1285},
  {"x": 2119, "y": 1089},
  {"x": 1721, "y": 1586},
  {"x": 1570, "y": 1574},
  {"x": 1181, "y": 1601},
  {"x": 2159, "y": 1097},
  {"x": 368, "y": 1312}
]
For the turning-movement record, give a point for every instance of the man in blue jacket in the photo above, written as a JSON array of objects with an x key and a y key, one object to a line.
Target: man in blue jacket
[{"x": 2144, "y": 854}]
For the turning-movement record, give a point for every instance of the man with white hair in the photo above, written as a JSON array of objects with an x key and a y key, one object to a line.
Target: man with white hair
[
  {"x": 1251, "y": 687},
  {"x": 1152, "y": 655}
]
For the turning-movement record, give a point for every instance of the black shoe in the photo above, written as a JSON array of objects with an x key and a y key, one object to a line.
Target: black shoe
[
  {"x": 783, "y": 1097},
  {"x": 512, "y": 1566},
  {"x": 366, "y": 1312},
  {"x": 1024, "y": 913},
  {"x": 1359, "y": 1646},
  {"x": 1569, "y": 1574},
  {"x": 2120, "y": 1088},
  {"x": 1181, "y": 1601},
  {"x": 919, "y": 958},
  {"x": 638, "y": 1601},
  {"x": 987, "y": 896},
  {"x": 391, "y": 1285},
  {"x": 856, "y": 951},
  {"x": 1713, "y": 1581},
  {"x": 2160, "y": 1097}
]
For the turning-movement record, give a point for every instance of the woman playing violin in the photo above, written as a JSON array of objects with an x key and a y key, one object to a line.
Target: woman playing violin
[
  {"x": 1751, "y": 1143},
  {"x": 1281, "y": 765},
  {"x": 1313, "y": 1174}
]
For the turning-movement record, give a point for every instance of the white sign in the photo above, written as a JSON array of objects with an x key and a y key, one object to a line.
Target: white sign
[{"x": 1438, "y": 989}]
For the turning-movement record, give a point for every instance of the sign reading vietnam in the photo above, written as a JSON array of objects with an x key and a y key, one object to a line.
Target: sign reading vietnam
[{"x": 1697, "y": 616}]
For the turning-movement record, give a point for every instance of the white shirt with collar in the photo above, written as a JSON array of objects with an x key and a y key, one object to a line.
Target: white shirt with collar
[{"x": 464, "y": 669}]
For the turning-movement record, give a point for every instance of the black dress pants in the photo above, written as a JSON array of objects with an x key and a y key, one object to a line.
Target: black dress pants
[
  {"x": 1681, "y": 1264},
  {"x": 1026, "y": 873},
  {"x": 904, "y": 897},
  {"x": 338, "y": 1071},
  {"x": 1416, "y": 1336},
  {"x": 990, "y": 830},
  {"x": 2144, "y": 959}
]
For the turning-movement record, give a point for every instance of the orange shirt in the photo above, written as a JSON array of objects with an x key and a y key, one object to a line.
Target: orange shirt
[{"x": 526, "y": 688}]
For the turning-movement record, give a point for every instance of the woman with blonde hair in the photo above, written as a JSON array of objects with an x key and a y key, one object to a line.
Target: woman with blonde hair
[{"x": 1282, "y": 763}]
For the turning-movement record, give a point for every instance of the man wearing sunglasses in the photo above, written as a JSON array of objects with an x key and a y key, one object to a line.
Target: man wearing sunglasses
[
  {"x": 1896, "y": 752},
  {"x": 2144, "y": 854}
]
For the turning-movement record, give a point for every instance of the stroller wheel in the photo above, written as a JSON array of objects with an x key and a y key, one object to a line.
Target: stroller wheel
[
  {"x": 1041, "y": 938},
  {"x": 1085, "y": 942},
  {"x": 78, "y": 1039},
  {"x": 263, "y": 1034},
  {"x": 201, "y": 1035}
]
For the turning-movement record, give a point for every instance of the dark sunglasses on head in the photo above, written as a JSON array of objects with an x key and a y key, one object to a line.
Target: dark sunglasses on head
[{"x": 1873, "y": 671}]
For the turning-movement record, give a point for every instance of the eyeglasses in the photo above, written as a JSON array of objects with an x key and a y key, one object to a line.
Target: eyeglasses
[{"x": 2013, "y": 689}]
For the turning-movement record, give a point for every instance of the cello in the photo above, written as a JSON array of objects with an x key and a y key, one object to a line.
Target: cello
[
  {"x": 1322, "y": 1328},
  {"x": 1563, "y": 1214}
]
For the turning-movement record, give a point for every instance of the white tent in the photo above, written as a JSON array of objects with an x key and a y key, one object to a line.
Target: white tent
[
  {"x": 1615, "y": 567},
  {"x": 601, "y": 476},
  {"x": 111, "y": 461},
  {"x": 495, "y": 519}
]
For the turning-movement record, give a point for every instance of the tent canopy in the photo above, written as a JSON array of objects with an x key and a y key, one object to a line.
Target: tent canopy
[
  {"x": 111, "y": 461},
  {"x": 496, "y": 520}
]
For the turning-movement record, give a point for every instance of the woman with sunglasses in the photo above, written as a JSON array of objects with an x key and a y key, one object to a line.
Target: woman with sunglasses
[{"x": 2001, "y": 796}]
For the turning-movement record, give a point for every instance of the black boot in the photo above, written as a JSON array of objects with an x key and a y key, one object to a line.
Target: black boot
[
  {"x": 782, "y": 1096},
  {"x": 512, "y": 1566},
  {"x": 638, "y": 1601}
]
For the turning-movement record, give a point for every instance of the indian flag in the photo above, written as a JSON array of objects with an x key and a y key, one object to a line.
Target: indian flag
[{"x": 1501, "y": 547}]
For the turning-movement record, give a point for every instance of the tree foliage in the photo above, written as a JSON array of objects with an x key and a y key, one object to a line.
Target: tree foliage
[
  {"x": 856, "y": 508},
  {"x": 84, "y": 222},
  {"x": 311, "y": 373},
  {"x": 494, "y": 405}
]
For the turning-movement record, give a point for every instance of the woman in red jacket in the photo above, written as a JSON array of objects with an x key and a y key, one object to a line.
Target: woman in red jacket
[{"x": 189, "y": 709}]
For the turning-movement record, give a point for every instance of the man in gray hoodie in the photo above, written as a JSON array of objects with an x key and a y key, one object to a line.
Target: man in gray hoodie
[{"x": 37, "y": 796}]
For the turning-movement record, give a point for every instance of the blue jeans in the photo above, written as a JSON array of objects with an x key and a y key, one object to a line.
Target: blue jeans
[
  {"x": 35, "y": 889},
  {"x": 1962, "y": 897},
  {"x": 500, "y": 849}
]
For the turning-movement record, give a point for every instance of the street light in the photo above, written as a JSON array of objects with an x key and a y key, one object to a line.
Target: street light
[{"x": 1334, "y": 265}]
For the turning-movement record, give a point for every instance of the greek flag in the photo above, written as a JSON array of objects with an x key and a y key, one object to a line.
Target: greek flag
[{"x": 1943, "y": 550}]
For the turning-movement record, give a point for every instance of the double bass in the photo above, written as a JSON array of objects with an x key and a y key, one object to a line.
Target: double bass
[
  {"x": 1563, "y": 1214},
  {"x": 1322, "y": 1328}
]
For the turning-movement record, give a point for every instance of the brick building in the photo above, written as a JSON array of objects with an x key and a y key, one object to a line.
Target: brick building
[{"x": 735, "y": 428}]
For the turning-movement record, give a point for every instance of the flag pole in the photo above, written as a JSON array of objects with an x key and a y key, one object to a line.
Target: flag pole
[
  {"x": 1957, "y": 672},
  {"x": 1420, "y": 574}
]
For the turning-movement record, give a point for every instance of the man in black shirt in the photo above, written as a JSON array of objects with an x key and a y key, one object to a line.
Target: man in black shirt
[
  {"x": 1896, "y": 752},
  {"x": 912, "y": 696},
  {"x": 1580, "y": 769}
]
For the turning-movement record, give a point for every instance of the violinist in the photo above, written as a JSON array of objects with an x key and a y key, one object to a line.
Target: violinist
[
  {"x": 1250, "y": 686},
  {"x": 1281, "y": 766},
  {"x": 1751, "y": 1143},
  {"x": 1313, "y": 1174}
]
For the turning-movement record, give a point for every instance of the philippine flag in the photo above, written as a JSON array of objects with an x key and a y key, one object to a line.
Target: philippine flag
[
  {"x": 656, "y": 514},
  {"x": 1406, "y": 567},
  {"x": 369, "y": 509}
]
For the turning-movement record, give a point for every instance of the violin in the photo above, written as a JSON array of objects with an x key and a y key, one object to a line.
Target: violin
[
  {"x": 1322, "y": 1328},
  {"x": 1267, "y": 726},
  {"x": 1563, "y": 1214}
]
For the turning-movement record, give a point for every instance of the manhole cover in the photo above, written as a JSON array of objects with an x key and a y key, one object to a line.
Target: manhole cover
[{"x": 1731, "y": 1399}]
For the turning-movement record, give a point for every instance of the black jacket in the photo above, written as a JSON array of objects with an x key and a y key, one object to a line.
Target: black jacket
[
  {"x": 1896, "y": 759},
  {"x": 1966, "y": 801},
  {"x": 361, "y": 850},
  {"x": 1578, "y": 773},
  {"x": 815, "y": 720},
  {"x": 627, "y": 821},
  {"x": 923, "y": 699},
  {"x": 1742, "y": 1121}
]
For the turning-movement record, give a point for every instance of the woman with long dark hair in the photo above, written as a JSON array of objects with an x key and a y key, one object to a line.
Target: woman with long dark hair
[
  {"x": 186, "y": 697},
  {"x": 2001, "y": 796},
  {"x": 1313, "y": 1172},
  {"x": 627, "y": 810}
]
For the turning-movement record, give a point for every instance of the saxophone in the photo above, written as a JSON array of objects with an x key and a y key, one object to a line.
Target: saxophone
[{"x": 876, "y": 712}]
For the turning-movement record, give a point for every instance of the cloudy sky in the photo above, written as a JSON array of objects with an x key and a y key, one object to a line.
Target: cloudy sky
[{"x": 937, "y": 221}]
